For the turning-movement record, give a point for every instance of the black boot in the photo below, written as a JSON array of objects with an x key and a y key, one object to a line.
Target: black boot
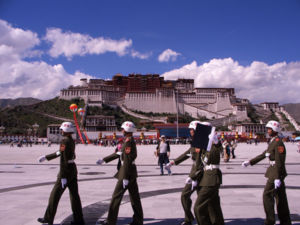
[{"x": 42, "y": 220}]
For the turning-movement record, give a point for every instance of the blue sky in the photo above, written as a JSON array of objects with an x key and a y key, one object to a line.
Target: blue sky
[{"x": 213, "y": 41}]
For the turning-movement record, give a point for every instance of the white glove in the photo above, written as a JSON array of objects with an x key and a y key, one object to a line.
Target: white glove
[
  {"x": 188, "y": 180},
  {"x": 63, "y": 182},
  {"x": 100, "y": 161},
  {"x": 42, "y": 159},
  {"x": 194, "y": 184},
  {"x": 246, "y": 163},
  {"x": 277, "y": 183},
  {"x": 125, "y": 183},
  {"x": 168, "y": 166}
]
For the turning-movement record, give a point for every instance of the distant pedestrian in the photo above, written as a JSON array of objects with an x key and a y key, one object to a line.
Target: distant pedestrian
[
  {"x": 233, "y": 145},
  {"x": 163, "y": 154},
  {"x": 297, "y": 139},
  {"x": 226, "y": 150}
]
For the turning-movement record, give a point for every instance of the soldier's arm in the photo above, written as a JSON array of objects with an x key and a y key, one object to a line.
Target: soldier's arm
[
  {"x": 66, "y": 155},
  {"x": 279, "y": 159},
  {"x": 258, "y": 158},
  {"x": 57, "y": 153},
  {"x": 197, "y": 172},
  {"x": 183, "y": 157},
  {"x": 111, "y": 157},
  {"x": 129, "y": 156},
  {"x": 53, "y": 155}
]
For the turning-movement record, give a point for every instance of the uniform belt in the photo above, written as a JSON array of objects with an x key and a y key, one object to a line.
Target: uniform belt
[
  {"x": 133, "y": 162},
  {"x": 71, "y": 161},
  {"x": 211, "y": 167},
  {"x": 272, "y": 163}
]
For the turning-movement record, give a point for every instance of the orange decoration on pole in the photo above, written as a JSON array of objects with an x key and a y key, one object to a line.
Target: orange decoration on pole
[
  {"x": 81, "y": 113},
  {"x": 73, "y": 108}
]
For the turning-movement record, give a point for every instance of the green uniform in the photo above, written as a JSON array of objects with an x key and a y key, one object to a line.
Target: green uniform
[
  {"x": 207, "y": 206},
  {"x": 68, "y": 171},
  {"x": 195, "y": 174},
  {"x": 127, "y": 171},
  {"x": 276, "y": 153}
]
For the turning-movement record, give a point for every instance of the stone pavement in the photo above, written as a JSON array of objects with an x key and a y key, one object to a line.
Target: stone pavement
[{"x": 26, "y": 185}]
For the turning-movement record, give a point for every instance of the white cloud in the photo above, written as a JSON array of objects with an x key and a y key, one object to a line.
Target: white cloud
[
  {"x": 70, "y": 44},
  {"x": 258, "y": 82},
  {"x": 168, "y": 55},
  {"x": 19, "y": 78},
  {"x": 35, "y": 79},
  {"x": 136, "y": 54},
  {"x": 17, "y": 40}
]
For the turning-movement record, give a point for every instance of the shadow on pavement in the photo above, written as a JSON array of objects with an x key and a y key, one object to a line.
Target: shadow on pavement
[
  {"x": 177, "y": 221},
  {"x": 248, "y": 221}
]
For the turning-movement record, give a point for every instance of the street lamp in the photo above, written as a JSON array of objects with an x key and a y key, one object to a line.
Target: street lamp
[
  {"x": 2, "y": 128},
  {"x": 29, "y": 130},
  {"x": 35, "y": 128},
  {"x": 177, "y": 128}
]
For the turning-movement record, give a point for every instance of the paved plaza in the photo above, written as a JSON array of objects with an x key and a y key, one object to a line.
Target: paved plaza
[{"x": 26, "y": 185}]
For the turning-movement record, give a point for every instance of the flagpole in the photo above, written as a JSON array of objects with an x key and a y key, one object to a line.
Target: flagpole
[{"x": 177, "y": 117}]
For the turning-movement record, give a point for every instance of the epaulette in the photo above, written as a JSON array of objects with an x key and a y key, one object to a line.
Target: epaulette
[{"x": 277, "y": 139}]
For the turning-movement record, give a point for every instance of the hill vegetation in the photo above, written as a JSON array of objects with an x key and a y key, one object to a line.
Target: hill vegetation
[{"x": 19, "y": 119}]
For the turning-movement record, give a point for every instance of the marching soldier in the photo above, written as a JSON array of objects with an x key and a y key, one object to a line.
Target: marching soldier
[
  {"x": 276, "y": 172},
  {"x": 126, "y": 176},
  {"x": 193, "y": 178},
  {"x": 207, "y": 207},
  {"x": 67, "y": 178}
]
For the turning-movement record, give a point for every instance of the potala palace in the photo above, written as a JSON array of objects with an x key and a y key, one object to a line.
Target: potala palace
[{"x": 151, "y": 93}]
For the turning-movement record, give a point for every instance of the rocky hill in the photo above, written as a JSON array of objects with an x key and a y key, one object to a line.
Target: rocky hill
[
  {"x": 294, "y": 110},
  {"x": 8, "y": 102}
]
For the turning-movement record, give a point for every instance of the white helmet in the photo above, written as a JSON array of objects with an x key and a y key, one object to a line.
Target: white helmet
[
  {"x": 206, "y": 123},
  {"x": 67, "y": 127},
  {"x": 128, "y": 126},
  {"x": 193, "y": 124},
  {"x": 274, "y": 125}
]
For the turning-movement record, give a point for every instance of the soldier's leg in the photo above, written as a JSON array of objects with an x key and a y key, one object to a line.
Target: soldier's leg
[
  {"x": 268, "y": 199},
  {"x": 136, "y": 204},
  {"x": 283, "y": 206},
  {"x": 54, "y": 198},
  {"x": 75, "y": 201},
  {"x": 205, "y": 195},
  {"x": 187, "y": 203},
  {"x": 215, "y": 210},
  {"x": 115, "y": 203}
]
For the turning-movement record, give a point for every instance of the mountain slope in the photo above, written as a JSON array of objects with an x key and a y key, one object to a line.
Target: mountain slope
[
  {"x": 8, "y": 102},
  {"x": 294, "y": 110}
]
